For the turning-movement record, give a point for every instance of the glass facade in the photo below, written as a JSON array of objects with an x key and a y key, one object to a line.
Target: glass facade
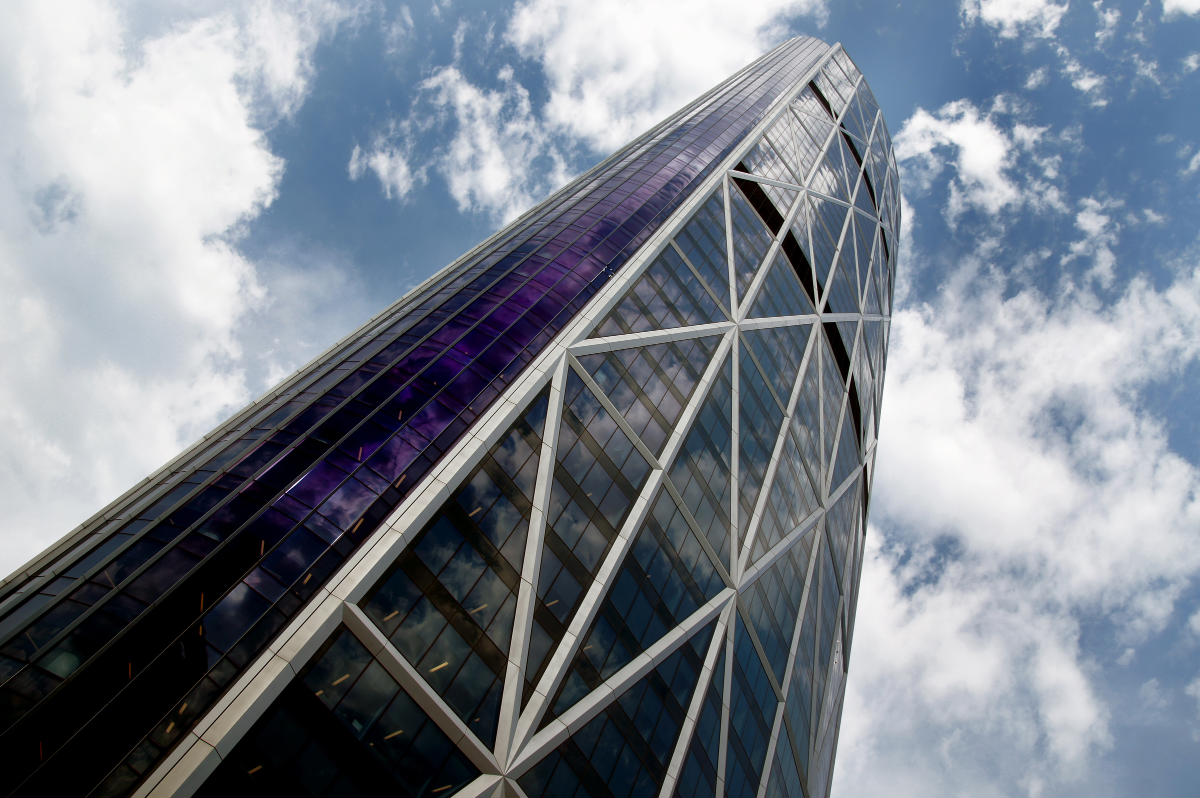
[{"x": 582, "y": 514}]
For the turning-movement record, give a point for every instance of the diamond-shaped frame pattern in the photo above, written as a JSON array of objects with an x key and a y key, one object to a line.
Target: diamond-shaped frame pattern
[{"x": 637, "y": 574}]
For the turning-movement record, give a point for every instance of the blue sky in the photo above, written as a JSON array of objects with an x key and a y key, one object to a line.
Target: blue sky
[{"x": 196, "y": 198}]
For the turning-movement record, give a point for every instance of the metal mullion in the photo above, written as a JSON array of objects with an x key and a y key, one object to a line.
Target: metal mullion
[
  {"x": 781, "y": 437},
  {"x": 696, "y": 705},
  {"x": 675, "y": 442},
  {"x": 559, "y": 660},
  {"x": 767, "y": 181},
  {"x": 701, "y": 538},
  {"x": 743, "y": 610},
  {"x": 726, "y": 690},
  {"x": 727, "y": 197},
  {"x": 617, "y": 416},
  {"x": 772, "y": 742},
  {"x": 418, "y": 689},
  {"x": 844, "y": 408},
  {"x": 838, "y": 244},
  {"x": 770, "y": 322},
  {"x": 610, "y": 343},
  {"x": 784, "y": 545},
  {"x": 764, "y": 268},
  {"x": 794, "y": 650},
  {"x": 687, "y": 261},
  {"x": 615, "y": 686},
  {"x": 735, "y": 460},
  {"x": 607, "y": 572},
  {"x": 518, "y": 650}
]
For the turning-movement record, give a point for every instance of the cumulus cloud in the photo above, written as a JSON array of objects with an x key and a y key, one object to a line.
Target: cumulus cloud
[
  {"x": 1100, "y": 235},
  {"x": 500, "y": 159},
  {"x": 1108, "y": 19},
  {"x": 1016, "y": 454},
  {"x": 1193, "y": 164},
  {"x": 1012, "y": 18},
  {"x": 398, "y": 31},
  {"x": 1191, "y": 62},
  {"x": 1083, "y": 79},
  {"x": 605, "y": 89},
  {"x": 1015, "y": 458},
  {"x": 983, "y": 155},
  {"x": 1037, "y": 78},
  {"x": 135, "y": 165},
  {"x": 1172, "y": 8},
  {"x": 973, "y": 690},
  {"x": 1031, "y": 401},
  {"x": 1193, "y": 690},
  {"x": 386, "y": 157}
]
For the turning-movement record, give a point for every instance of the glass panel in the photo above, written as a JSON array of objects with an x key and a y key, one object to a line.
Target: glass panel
[
  {"x": 806, "y": 422},
  {"x": 651, "y": 385},
  {"x": 701, "y": 471},
  {"x": 665, "y": 578},
  {"x": 832, "y": 390},
  {"x": 751, "y": 239},
  {"x": 702, "y": 242},
  {"x": 625, "y": 750},
  {"x": 752, "y": 703},
  {"x": 448, "y": 602},
  {"x": 771, "y": 603},
  {"x": 827, "y": 615},
  {"x": 343, "y": 726},
  {"x": 760, "y": 416},
  {"x": 842, "y": 523},
  {"x": 779, "y": 350},
  {"x": 698, "y": 777},
  {"x": 873, "y": 335},
  {"x": 764, "y": 160},
  {"x": 795, "y": 145},
  {"x": 786, "y": 777},
  {"x": 781, "y": 294},
  {"x": 666, "y": 295},
  {"x": 597, "y": 477},
  {"x": 826, "y": 224},
  {"x": 847, "y": 454},
  {"x": 791, "y": 500}
]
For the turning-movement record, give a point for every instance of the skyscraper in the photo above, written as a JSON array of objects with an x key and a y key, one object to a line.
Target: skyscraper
[{"x": 581, "y": 514}]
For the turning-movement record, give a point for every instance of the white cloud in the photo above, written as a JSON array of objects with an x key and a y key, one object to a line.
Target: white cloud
[
  {"x": 397, "y": 32},
  {"x": 1014, "y": 458},
  {"x": 959, "y": 685},
  {"x": 1108, "y": 18},
  {"x": 1146, "y": 69},
  {"x": 605, "y": 89},
  {"x": 1193, "y": 690},
  {"x": 1173, "y": 8},
  {"x": 386, "y": 158},
  {"x": 1099, "y": 237},
  {"x": 1191, "y": 63},
  {"x": 983, "y": 156},
  {"x": 490, "y": 162},
  {"x": 1037, "y": 78},
  {"x": 1084, "y": 80},
  {"x": 136, "y": 163},
  {"x": 1014, "y": 417},
  {"x": 1152, "y": 698},
  {"x": 1193, "y": 164},
  {"x": 1012, "y": 18}
]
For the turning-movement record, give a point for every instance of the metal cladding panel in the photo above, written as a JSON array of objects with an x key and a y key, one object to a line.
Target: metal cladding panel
[{"x": 676, "y": 509}]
